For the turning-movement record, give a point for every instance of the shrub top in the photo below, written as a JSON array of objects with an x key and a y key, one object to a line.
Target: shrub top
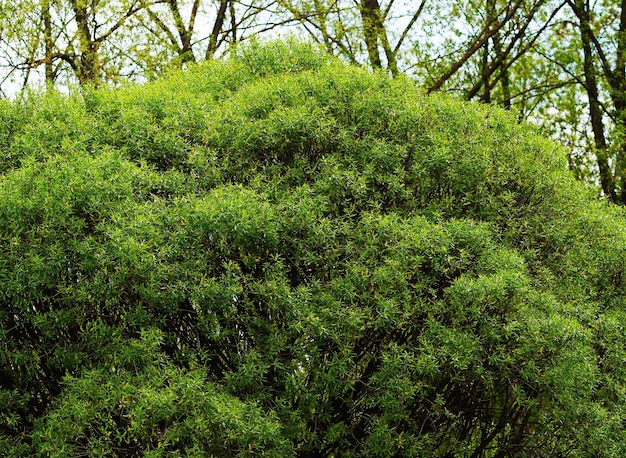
[{"x": 280, "y": 254}]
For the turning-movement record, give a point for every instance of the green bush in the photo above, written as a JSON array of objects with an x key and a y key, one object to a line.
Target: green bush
[{"x": 282, "y": 255}]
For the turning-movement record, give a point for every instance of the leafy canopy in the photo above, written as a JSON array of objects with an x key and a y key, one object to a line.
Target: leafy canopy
[{"x": 282, "y": 255}]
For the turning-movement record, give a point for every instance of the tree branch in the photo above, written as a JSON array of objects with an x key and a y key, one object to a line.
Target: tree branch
[
  {"x": 478, "y": 42},
  {"x": 499, "y": 62},
  {"x": 409, "y": 26}
]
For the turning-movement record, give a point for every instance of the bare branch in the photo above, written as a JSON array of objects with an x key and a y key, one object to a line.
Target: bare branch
[
  {"x": 499, "y": 62},
  {"x": 409, "y": 26},
  {"x": 160, "y": 24},
  {"x": 120, "y": 22},
  {"x": 476, "y": 44}
]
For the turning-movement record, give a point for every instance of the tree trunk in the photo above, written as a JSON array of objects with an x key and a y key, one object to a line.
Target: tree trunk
[
  {"x": 218, "y": 25},
  {"x": 88, "y": 68},
  {"x": 369, "y": 11},
  {"x": 618, "y": 92},
  {"x": 486, "y": 73},
  {"x": 373, "y": 31},
  {"x": 595, "y": 113},
  {"x": 184, "y": 33},
  {"x": 48, "y": 42}
]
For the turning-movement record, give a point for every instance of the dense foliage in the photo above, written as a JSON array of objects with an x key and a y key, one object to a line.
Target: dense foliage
[{"x": 282, "y": 255}]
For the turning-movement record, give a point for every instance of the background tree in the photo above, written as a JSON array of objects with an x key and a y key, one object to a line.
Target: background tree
[
  {"x": 20, "y": 42},
  {"x": 74, "y": 41},
  {"x": 209, "y": 27},
  {"x": 67, "y": 36},
  {"x": 601, "y": 32},
  {"x": 555, "y": 63},
  {"x": 368, "y": 32}
]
